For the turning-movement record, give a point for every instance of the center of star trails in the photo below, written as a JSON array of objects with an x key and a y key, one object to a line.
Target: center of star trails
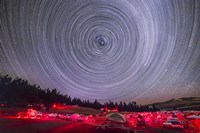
[{"x": 100, "y": 41}]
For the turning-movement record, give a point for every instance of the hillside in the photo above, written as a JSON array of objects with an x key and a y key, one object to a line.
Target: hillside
[{"x": 186, "y": 103}]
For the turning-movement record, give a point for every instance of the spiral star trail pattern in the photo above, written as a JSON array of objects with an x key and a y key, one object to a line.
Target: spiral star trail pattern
[{"x": 120, "y": 50}]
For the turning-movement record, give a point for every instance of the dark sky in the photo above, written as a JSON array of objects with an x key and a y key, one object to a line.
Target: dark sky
[{"x": 121, "y": 50}]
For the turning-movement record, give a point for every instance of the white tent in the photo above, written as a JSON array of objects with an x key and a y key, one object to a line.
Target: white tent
[
  {"x": 116, "y": 117},
  {"x": 193, "y": 117}
]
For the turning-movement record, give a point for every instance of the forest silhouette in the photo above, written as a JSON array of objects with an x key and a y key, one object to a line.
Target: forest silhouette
[{"x": 18, "y": 92}]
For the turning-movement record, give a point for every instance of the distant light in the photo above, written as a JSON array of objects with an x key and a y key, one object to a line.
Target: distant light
[{"x": 54, "y": 105}]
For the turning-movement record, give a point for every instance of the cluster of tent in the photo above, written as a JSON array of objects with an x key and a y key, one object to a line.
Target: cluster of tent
[
  {"x": 127, "y": 121},
  {"x": 34, "y": 114},
  {"x": 171, "y": 119}
]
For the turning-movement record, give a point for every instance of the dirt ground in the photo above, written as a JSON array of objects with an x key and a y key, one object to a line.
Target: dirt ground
[{"x": 14, "y": 125}]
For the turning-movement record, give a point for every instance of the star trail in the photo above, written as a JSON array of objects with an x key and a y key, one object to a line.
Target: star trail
[{"x": 120, "y": 50}]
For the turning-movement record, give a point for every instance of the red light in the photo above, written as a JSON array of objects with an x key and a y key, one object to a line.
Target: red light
[{"x": 54, "y": 105}]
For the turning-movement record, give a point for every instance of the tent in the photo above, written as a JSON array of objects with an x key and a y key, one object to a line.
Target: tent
[
  {"x": 116, "y": 117},
  {"x": 193, "y": 117}
]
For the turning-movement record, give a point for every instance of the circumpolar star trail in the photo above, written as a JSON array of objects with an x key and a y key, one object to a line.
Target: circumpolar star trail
[{"x": 120, "y": 50}]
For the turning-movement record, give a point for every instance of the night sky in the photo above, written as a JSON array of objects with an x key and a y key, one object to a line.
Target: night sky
[{"x": 121, "y": 50}]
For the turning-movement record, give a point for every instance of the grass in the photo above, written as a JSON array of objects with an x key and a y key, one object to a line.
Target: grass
[{"x": 76, "y": 109}]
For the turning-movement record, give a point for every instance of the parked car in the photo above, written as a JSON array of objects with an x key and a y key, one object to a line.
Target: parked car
[{"x": 173, "y": 124}]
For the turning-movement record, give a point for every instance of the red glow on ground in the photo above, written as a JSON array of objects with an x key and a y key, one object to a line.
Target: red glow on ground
[
  {"x": 139, "y": 121},
  {"x": 195, "y": 124},
  {"x": 68, "y": 107}
]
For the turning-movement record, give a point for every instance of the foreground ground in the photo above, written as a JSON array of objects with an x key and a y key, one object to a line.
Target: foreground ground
[
  {"x": 15, "y": 125},
  {"x": 11, "y": 123}
]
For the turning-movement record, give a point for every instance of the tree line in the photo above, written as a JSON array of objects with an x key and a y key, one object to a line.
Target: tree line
[{"x": 18, "y": 92}]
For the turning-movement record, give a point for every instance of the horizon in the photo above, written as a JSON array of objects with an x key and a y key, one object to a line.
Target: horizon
[{"x": 103, "y": 103}]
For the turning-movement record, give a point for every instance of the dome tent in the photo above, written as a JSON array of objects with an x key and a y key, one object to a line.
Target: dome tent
[{"x": 116, "y": 117}]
